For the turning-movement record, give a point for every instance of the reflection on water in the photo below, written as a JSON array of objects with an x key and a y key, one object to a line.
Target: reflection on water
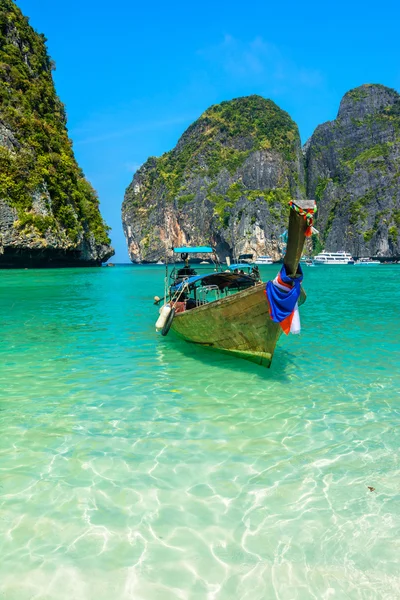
[{"x": 136, "y": 466}]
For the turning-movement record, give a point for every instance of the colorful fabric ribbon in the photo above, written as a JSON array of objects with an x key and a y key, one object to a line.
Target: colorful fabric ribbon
[
  {"x": 282, "y": 295},
  {"x": 308, "y": 214}
]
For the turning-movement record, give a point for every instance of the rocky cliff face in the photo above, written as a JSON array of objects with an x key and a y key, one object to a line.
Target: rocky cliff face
[
  {"x": 353, "y": 170},
  {"x": 226, "y": 183},
  {"x": 229, "y": 178},
  {"x": 49, "y": 214}
]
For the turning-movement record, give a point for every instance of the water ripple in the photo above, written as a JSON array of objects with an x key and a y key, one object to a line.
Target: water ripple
[{"x": 138, "y": 467}]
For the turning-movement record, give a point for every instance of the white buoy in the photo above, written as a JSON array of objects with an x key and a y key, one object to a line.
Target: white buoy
[{"x": 164, "y": 312}]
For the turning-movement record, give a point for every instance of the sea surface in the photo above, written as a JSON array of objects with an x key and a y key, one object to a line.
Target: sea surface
[{"x": 139, "y": 467}]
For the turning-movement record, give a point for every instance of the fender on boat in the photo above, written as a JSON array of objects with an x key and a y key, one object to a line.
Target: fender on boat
[
  {"x": 168, "y": 322},
  {"x": 164, "y": 313}
]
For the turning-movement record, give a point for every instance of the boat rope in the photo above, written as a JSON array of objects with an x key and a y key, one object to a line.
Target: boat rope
[
  {"x": 166, "y": 282},
  {"x": 308, "y": 214},
  {"x": 283, "y": 294},
  {"x": 174, "y": 298}
]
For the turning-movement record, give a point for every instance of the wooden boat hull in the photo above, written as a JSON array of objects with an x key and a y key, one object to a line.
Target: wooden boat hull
[{"x": 239, "y": 325}]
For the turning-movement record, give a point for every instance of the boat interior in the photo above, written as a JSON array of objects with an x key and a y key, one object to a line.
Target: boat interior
[{"x": 194, "y": 284}]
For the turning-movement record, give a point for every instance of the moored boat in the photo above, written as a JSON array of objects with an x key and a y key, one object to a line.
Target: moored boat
[
  {"x": 232, "y": 310},
  {"x": 366, "y": 262},
  {"x": 264, "y": 260},
  {"x": 333, "y": 258}
]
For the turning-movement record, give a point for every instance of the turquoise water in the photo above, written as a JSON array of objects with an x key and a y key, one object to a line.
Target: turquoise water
[{"x": 141, "y": 467}]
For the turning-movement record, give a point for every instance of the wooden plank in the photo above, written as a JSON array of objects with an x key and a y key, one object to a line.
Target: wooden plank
[
  {"x": 304, "y": 204},
  {"x": 296, "y": 237},
  {"x": 223, "y": 326}
]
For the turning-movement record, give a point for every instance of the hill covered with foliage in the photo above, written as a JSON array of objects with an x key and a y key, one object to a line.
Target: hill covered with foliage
[
  {"x": 227, "y": 182},
  {"x": 353, "y": 171},
  {"x": 49, "y": 213}
]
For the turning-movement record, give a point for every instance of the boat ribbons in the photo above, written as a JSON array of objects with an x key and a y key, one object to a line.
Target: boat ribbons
[
  {"x": 308, "y": 215},
  {"x": 283, "y": 295}
]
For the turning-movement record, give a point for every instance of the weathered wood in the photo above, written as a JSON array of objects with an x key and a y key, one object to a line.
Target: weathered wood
[
  {"x": 238, "y": 324},
  {"x": 304, "y": 204},
  {"x": 296, "y": 237}
]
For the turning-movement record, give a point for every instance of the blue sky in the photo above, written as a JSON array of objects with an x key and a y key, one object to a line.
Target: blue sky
[{"x": 134, "y": 75}]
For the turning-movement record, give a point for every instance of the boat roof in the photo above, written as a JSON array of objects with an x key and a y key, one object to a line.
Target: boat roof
[
  {"x": 338, "y": 252},
  {"x": 222, "y": 279},
  {"x": 190, "y": 280},
  {"x": 240, "y": 266},
  {"x": 194, "y": 249}
]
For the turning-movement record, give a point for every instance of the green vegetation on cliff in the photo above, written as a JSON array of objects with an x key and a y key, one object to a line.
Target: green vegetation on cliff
[
  {"x": 353, "y": 170},
  {"x": 276, "y": 199},
  {"x": 222, "y": 138},
  {"x": 228, "y": 182},
  {"x": 38, "y": 160}
]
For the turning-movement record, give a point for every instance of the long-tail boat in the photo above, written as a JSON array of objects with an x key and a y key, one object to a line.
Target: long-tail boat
[{"x": 232, "y": 310}]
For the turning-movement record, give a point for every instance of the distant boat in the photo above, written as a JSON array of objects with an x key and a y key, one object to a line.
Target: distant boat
[
  {"x": 160, "y": 262},
  {"x": 264, "y": 260},
  {"x": 204, "y": 262},
  {"x": 366, "y": 262},
  {"x": 227, "y": 310},
  {"x": 333, "y": 258}
]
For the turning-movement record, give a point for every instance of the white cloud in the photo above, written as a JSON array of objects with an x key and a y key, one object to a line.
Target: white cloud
[
  {"x": 112, "y": 134},
  {"x": 259, "y": 61}
]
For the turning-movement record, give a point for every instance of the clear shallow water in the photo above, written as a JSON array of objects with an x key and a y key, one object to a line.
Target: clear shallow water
[{"x": 135, "y": 466}]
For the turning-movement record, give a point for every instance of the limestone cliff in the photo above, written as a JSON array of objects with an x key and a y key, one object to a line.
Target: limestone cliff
[
  {"x": 226, "y": 183},
  {"x": 353, "y": 170},
  {"x": 49, "y": 214}
]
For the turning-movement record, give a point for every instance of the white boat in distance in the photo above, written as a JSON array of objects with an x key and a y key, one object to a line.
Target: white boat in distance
[
  {"x": 264, "y": 260},
  {"x": 366, "y": 262},
  {"x": 333, "y": 258}
]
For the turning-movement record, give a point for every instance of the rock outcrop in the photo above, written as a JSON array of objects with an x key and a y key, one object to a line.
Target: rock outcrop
[
  {"x": 49, "y": 213},
  {"x": 226, "y": 183},
  {"x": 353, "y": 171}
]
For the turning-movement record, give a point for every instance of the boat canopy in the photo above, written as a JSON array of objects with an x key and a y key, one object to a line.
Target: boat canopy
[
  {"x": 240, "y": 266},
  {"x": 222, "y": 280},
  {"x": 194, "y": 249}
]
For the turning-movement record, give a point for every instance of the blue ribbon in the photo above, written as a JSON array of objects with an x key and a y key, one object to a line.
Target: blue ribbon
[{"x": 282, "y": 303}]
